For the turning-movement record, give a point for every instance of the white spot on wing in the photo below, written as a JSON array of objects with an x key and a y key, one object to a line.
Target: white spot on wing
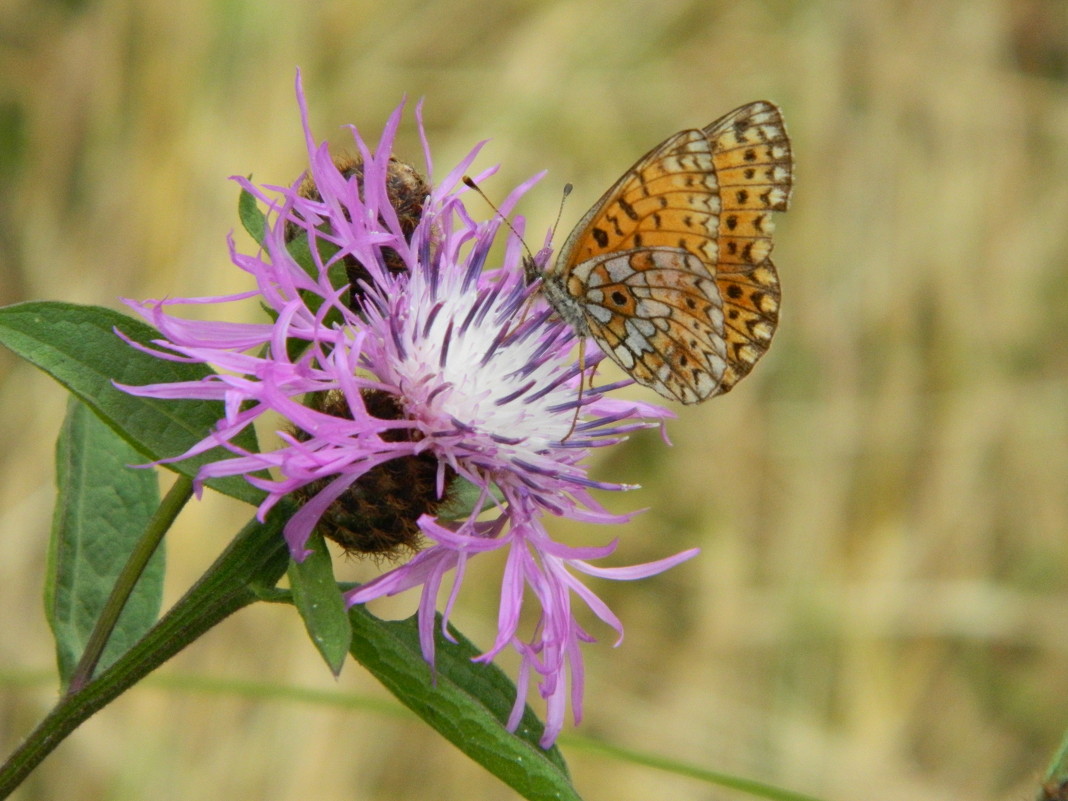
[
  {"x": 599, "y": 313},
  {"x": 624, "y": 357}
]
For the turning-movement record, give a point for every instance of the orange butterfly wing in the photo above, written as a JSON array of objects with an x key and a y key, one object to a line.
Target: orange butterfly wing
[
  {"x": 634, "y": 273},
  {"x": 669, "y": 199},
  {"x": 754, "y": 167}
]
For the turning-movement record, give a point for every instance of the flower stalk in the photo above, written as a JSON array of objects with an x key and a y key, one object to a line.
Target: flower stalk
[
  {"x": 157, "y": 527},
  {"x": 250, "y": 565}
]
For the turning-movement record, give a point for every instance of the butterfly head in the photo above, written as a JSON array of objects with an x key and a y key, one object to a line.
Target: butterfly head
[{"x": 535, "y": 266}]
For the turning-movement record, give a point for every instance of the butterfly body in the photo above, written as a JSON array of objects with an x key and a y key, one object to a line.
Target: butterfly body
[{"x": 670, "y": 272}]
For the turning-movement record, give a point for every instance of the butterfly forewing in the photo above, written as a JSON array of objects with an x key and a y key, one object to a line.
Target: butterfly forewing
[
  {"x": 670, "y": 270},
  {"x": 668, "y": 199}
]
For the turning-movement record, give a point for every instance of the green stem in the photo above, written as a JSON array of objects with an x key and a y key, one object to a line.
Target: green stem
[
  {"x": 251, "y": 565},
  {"x": 750, "y": 786},
  {"x": 157, "y": 527},
  {"x": 1055, "y": 785}
]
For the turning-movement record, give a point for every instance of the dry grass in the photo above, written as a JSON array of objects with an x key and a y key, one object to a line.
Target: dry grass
[{"x": 880, "y": 609}]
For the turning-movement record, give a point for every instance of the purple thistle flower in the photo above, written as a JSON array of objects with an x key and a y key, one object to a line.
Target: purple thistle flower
[{"x": 480, "y": 380}]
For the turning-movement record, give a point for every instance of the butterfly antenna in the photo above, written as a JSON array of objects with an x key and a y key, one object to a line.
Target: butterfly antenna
[
  {"x": 530, "y": 267},
  {"x": 560, "y": 211},
  {"x": 469, "y": 182}
]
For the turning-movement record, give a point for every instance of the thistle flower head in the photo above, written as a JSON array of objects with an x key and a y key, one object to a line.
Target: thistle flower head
[{"x": 405, "y": 358}]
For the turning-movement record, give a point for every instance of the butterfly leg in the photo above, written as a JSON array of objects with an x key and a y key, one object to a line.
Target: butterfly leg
[{"x": 582, "y": 380}]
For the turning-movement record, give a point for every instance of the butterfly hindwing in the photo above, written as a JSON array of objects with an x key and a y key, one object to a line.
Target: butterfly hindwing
[
  {"x": 751, "y": 314},
  {"x": 658, "y": 316}
]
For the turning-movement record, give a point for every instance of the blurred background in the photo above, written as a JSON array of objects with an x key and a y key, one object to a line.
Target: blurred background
[{"x": 880, "y": 608}]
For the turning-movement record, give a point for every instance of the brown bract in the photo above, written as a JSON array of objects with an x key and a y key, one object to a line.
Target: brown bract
[
  {"x": 407, "y": 191},
  {"x": 377, "y": 515}
]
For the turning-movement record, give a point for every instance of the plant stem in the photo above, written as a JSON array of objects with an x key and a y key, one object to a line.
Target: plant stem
[
  {"x": 251, "y": 564},
  {"x": 153, "y": 535},
  {"x": 1055, "y": 784}
]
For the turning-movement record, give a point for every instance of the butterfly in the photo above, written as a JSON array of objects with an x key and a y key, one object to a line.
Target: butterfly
[{"x": 670, "y": 271}]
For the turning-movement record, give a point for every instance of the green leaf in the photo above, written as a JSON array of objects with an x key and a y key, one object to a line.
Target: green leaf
[
  {"x": 301, "y": 253},
  {"x": 252, "y": 219},
  {"x": 467, "y": 702},
  {"x": 78, "y": 347},
  {"x": 102, "y": 509},
  {"x": 319, "y": 601}
]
